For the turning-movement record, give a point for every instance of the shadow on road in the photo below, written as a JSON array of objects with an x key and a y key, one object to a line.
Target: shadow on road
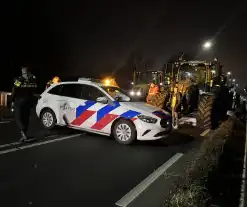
[{"x": 175, "y": 138}]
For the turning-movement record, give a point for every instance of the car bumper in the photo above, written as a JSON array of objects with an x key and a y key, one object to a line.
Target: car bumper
[
  {"x": 146, "y": 131},
  {"x": 38, "y": 109}
]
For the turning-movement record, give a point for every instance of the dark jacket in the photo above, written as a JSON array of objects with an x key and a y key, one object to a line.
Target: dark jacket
[{"x": 24, "y": 88}]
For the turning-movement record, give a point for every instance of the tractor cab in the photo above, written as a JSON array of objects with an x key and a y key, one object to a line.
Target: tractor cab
[
  {"x": 145, "y": 77},
  {"x": 142, "y": 80}
]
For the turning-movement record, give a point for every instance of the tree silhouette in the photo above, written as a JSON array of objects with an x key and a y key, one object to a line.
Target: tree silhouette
[{"x": 139, "y": 62}]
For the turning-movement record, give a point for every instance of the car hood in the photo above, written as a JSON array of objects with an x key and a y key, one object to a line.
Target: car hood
[{"x": 144, "y": 108}]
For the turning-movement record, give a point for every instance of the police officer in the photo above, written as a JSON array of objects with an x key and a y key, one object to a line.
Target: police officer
[{"x": 23, "y": 100}]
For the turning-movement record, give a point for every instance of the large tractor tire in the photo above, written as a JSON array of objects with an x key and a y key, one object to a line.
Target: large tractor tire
[{"x": 203, "y": 118}]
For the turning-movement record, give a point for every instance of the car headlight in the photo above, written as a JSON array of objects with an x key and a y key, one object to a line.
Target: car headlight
[
  {"x": 138, "y": 93},
  {"x": 132, "y": 93},
  {"x": 147, "y": 119}
]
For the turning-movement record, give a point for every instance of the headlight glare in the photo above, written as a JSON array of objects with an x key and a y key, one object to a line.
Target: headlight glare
[{"x": 132, "y": 93}]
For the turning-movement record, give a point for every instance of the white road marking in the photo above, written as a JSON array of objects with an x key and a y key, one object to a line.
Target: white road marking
[
  {"x": 4, "y": 122},
  {"x": 203, "y": 134},
  {"x": 136, "y": 191},
  {"x": 12, "y": 144},
  {"x": 243, "y": 186},
  {"x": 9, "y": 145},
  {"x": 38, "y": 144}
]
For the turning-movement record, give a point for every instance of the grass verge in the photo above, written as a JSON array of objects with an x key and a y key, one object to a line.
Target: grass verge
[{"x": 192, "y": 190}]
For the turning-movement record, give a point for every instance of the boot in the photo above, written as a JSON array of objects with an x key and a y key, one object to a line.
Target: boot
[{"x": 23, "y": 137}]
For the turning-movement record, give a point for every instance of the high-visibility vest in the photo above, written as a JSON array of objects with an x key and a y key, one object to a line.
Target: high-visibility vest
[{"x": 153, "y": 90}]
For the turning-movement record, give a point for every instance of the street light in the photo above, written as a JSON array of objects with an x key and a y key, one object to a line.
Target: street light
[{"x": 207, "y": 45}]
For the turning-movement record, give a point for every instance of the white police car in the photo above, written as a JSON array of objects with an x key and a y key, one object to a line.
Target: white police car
[{"x": 94, "y": 107}]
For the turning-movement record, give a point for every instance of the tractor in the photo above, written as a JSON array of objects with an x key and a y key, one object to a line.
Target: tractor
[
  {"x": 199, "y": 82},
  {"x": 196, "y": 81},
  {"x": 141, "y": 84}
]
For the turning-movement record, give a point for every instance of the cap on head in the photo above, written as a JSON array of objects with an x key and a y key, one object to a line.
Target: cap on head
[{"x": 24, "y": 70}]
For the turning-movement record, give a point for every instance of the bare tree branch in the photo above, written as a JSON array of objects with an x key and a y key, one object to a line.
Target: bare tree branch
[{"x": 137, "y": 61}]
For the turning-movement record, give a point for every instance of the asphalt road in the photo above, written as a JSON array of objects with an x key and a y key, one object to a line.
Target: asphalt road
[{"x": 69, "y": 169}]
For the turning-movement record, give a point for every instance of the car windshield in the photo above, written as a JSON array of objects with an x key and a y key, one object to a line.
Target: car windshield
[{"x": 117, "y": 93}]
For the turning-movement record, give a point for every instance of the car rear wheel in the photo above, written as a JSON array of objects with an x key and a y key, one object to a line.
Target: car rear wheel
[
  {"x": 124, "y": 132},
  {"x": 48, "y": 119}
]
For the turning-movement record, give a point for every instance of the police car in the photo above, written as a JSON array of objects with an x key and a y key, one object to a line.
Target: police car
[{"x": 92, "y": 106}]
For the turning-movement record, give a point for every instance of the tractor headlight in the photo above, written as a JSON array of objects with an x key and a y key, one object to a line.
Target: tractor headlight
[
  {"x": 132, "y": 93},
  {"x": 138, "y": 93},
  {"x": 147, "y": 119}
]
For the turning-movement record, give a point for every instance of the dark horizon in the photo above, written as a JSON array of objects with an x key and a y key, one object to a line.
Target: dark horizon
[{"x": 90, "y": 38}]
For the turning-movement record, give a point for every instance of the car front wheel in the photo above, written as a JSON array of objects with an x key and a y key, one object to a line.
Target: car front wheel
[
  {"x": 48, "y": 119},
  {"x": 124, "y": 132}
]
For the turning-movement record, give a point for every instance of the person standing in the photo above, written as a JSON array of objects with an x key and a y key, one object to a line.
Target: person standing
[
  {"x": 175, "y": 106},
  {"x": 23, "y": 100},
  {"x": 153, "y": 90}
]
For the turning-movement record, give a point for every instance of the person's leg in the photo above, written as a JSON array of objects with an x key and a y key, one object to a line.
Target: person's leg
[
  {"x": 176, "y": 119},
  {"x": 19, "y": 118},
  {"x": 26, "y": 116},
  {"x": 18, "y": 115}
]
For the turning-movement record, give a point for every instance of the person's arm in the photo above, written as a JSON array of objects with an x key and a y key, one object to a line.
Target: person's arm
[
  {"x": 13, "y": 94},
  {"x": 17, "y": 84}
]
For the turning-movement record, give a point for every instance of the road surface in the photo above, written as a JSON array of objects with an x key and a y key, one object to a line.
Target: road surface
[{"x": 69, "y": 168}]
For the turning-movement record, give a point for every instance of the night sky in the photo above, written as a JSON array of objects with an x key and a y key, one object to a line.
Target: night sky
[{"x": 91, "y": 38}]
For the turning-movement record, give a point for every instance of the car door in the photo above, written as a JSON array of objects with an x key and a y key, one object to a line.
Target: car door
[
  {"x": 93, "y": 106},
  {"x": 53, "y": 100},
  {"x": 68, "y": 104}
]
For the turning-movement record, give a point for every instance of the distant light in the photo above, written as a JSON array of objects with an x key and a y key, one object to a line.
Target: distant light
[
  {"x": 189, "y": 74},
  {"x": 237, "y": 85},
  {"x": 213, "y": 71},
  {"x": 233, "y": 80},
  {"x": 132, "y": 83},
  {"x": 161, "y": 84},
  {"x": 138, "y": 93},
  {"x": 207, "y": 45},
  {"x": 229, "y": 73}
]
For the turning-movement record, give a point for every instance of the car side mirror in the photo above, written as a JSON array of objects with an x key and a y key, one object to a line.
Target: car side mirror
[
  {"x": 117, "y": 98},
  {"x": 102, "y": 100}
]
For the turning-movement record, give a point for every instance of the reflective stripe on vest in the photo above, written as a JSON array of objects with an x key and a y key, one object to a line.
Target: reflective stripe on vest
[{"x": 153, "y": 90}]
